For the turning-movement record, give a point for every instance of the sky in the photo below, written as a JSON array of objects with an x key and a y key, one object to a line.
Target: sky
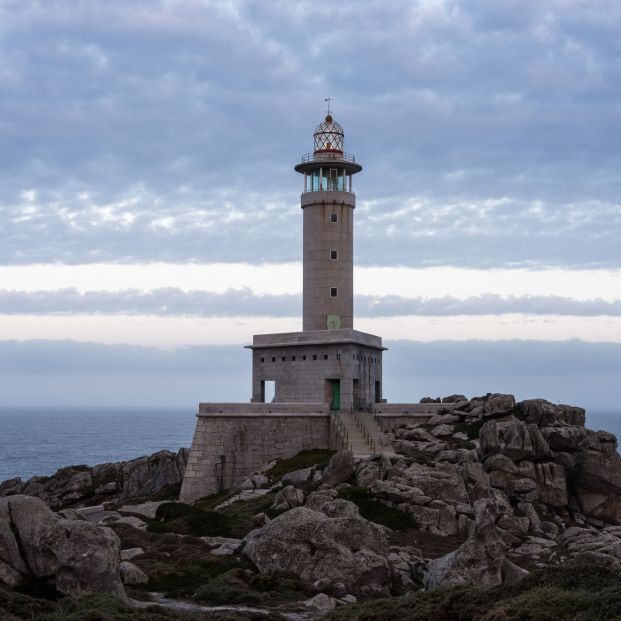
[{"x": 149, "y": 210}]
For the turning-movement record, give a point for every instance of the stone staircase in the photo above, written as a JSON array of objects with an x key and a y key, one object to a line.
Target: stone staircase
[{"x": 364, "y": 435}]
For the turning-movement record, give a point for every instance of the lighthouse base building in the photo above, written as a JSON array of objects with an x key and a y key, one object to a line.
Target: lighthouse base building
[{"x": 318, "y": 388}]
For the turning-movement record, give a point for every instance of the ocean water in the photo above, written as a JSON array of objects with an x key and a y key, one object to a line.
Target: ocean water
[{"x": 38, "y": 442}]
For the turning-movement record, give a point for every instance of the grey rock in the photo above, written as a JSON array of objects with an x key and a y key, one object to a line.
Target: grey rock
[
  {"x": 321, "y": 602},
  {"x": 340, "y": 468},
  {"x": 442, "y": 431},
  {"x": 130, "y": 574},
  {"x": 546, "y": 414},
  {"x": 145, "y": 509},
  {"x": 513, "y": 439},
  {"x": 454, "y": 399},
  {"x": 76, "y": 555},
  {"x": 311, "y": 546},
  {"x": 298, "y": 477},
  {"x": 131, "y": 553},
  {"x": 288, "y": 498},
  {"x": 107, "y": 488},
  {"x": 479, "y": 560},
  {"x": 498, "y": 404}
]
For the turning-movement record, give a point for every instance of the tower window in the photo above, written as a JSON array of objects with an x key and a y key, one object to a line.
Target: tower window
[
  {"x": 303, "y": 357},
  {"x": 293, "y": 358},
  {"x": 334, "y": 217},
  {"x": 334, "y": 255},
  {"x": 314, "y": 356},
  {"x": 334, "y": 292},
  {"x": 273, "y": 359},
  {"x": 262, "y": 359},
  {"x": 283, "y": 358},
  {"x": 325, "y": 356}
]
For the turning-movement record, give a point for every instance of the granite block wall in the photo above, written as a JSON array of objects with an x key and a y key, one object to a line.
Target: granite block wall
[{"x": 228, "y": 447}]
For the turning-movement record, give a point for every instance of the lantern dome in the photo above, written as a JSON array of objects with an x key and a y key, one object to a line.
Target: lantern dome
[{"x": 329, "y": 136}]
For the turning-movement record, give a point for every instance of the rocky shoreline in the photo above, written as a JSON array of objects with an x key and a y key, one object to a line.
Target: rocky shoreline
[{"x": 493, "y": 500}]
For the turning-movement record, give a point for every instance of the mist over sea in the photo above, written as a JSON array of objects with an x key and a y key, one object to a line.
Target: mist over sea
[{"x": 39, "y": 441}]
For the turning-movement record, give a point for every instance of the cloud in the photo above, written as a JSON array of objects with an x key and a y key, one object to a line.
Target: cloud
[
  {"x": 167, "y": 131},
  {"x": 57, "y": 373},
  {"x": 173, "y": 302}
]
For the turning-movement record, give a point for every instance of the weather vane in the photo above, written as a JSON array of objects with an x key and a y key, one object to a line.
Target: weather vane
[{"x": 329, "y": 100}]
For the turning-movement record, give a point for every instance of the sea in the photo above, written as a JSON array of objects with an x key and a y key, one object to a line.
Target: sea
[{"x": 37, "y": 442}]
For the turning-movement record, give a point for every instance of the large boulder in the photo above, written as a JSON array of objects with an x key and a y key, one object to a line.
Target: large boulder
[
  {"x": 498, "y": 405},
  {"x": 340, "y": 468},
  {"x": 546, "y": 414},
  {"x": 513, "y": 439},
  {"x": 311, "y": 545},
  {"x": 480, "y": 560},
  {"x": 73, "y": 555},
  {"x": 441, "y": 482},
  {"x": 597, "y": 479},
  {"x": 146, "y": 475}
]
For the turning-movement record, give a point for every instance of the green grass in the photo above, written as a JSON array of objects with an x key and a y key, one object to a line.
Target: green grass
[
  {"x": 373, "y": 510},
  {"x": 304, "y": 459},
  {"x": 240, "y": 514}
]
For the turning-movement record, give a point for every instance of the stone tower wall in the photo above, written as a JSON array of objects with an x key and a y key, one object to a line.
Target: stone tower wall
[{"x": 321, "y": 235}]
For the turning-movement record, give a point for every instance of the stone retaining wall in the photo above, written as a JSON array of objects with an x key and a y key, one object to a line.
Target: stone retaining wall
[{"x": 228, "y": 447}]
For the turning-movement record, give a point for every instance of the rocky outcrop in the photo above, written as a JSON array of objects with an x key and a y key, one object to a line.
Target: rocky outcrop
[
  {"x": 74, "y": 556},
  {"x": 478, "y": 561},
  {"x": 343, "y": 547},
  {"x": 75, "y": 485}
]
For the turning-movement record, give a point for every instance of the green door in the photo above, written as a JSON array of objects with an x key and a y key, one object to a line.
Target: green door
[{"x": 336, "y": 394}]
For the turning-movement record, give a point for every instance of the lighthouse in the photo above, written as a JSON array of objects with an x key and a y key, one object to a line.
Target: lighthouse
[
  {"x": 328, "y": 361},
  {"x": 328, "y": 204}
]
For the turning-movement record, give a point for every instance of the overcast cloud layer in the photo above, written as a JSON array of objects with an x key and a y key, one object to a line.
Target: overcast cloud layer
[
  {"x": 243, "y": 302},
  {"x": 144, "y": 130}
]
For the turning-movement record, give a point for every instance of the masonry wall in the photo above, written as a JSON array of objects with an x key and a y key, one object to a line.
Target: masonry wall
[
  {"x": 320, "y": 272},
  {"x": 300, "y": 372},
  {"x": 228, "y": 447}
]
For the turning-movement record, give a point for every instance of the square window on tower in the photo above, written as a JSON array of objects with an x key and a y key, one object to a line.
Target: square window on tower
[
  {"x": 334, "y": 292},
  {"x": 334, "y": 217},
  {"x": 334, "y": 255}
]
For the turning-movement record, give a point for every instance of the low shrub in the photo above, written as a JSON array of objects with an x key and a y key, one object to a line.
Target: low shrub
[
  {"x": 177, "y": 517},
  {"x": 304, "y": 459},
  {"x": 375, "y": 511}
]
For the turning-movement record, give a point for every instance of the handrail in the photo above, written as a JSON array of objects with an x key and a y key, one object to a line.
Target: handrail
[
  {"x": 323, "y": 156},
  {"x": 342, "y": 430},
  {"x": 365, "y": 432}
]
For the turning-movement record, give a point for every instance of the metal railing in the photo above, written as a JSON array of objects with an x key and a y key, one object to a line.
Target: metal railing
[
  {"x": 365, "y": 432},
  {"x": 341, "y": 430},
  {"x": 323, "y": 156}
]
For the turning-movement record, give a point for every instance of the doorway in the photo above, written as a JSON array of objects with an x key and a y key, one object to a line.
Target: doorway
[
  {"x": 268, "y": 391},
  {"x": 334, "y": 393}
]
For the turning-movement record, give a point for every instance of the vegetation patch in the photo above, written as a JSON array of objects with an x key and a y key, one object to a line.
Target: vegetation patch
[
  {"x": 584, "y": 590},
  {"x": 18, "y": 607},
  {"x": 240, "y": 514},
  {"x": 245, "y": 587},
  {"x": 375, "y": 511},
  {"x": 177, "y": 517},
  {"x": 304, "y": 459}
]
